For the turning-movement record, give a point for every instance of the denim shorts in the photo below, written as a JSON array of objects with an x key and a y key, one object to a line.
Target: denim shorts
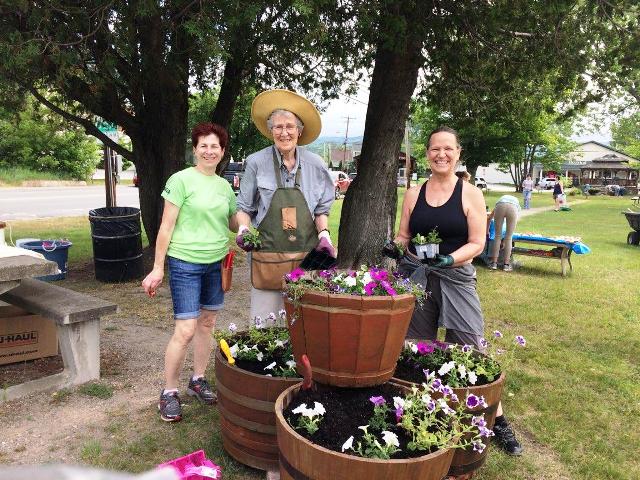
[{"x": 195, "y": 286}]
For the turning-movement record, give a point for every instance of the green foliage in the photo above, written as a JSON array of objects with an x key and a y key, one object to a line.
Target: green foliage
[
  {"x": 626, "y": 134},
  {"x": 35, "y": 139},
  {"x": 244, "y": 137}
]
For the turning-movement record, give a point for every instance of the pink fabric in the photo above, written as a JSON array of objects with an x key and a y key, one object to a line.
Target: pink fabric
[{"x": 194, "y": 466}]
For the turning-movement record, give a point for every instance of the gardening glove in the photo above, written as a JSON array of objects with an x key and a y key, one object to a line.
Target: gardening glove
[
  {"x": 392, "y": 250},
  {"x": 240, "y": 239},
  {"x": 324, "y": 245},
  {"x": 442, "y": 261}
]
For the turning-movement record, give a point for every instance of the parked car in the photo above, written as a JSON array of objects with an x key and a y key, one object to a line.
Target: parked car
[
  {"x": 547, "y": 183},
  {"x": 341, "y": 181},
  {"x": 233, "y": 174},
  {"x": 481, "y": 183}
]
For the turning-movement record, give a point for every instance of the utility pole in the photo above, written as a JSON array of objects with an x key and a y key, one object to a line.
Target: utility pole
[
  {"x": 344, "y": 150},
  {"x": 407, "y": 149}
]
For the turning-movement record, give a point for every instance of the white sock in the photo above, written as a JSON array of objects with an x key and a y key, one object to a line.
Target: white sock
[
  {"x": 196, "y": 377},
  {"x": 165, "y": 391}
]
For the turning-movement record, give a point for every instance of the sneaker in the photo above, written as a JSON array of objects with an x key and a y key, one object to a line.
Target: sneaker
[
  {"x": 201, "y": 389},
  {"x": 493, "y": 266},
  {"x": 169, "y": 406},
  {"x": 507, "y": 268},
  {"x": 506, "y": 439}
]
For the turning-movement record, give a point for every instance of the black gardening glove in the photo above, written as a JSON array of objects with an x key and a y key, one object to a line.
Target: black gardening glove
[
  {"x": 441, "y": 261},
  {"x": 392, "y": 250}
]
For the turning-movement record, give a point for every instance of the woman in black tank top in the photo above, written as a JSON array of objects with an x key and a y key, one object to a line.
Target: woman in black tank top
[{"x": 457, "y": 210}]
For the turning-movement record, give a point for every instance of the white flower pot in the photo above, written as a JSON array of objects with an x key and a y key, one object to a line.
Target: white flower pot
[{"x": 429, "y": 250}]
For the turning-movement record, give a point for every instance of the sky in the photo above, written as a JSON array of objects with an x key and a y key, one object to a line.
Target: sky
[{"x": 334, "y": 121}]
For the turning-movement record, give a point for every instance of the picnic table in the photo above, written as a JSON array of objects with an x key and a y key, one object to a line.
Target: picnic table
[{"x": 560, "y": 248}]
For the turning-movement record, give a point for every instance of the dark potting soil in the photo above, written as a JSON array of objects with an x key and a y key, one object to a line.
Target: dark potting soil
[
  {"x": 254, "y": 366},
  {"x": 346, "y": 410}
]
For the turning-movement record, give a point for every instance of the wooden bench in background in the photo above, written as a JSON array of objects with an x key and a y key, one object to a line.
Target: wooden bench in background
[
  {"x": 558, "y": 251},
  {"x": 77, "y": 318}
]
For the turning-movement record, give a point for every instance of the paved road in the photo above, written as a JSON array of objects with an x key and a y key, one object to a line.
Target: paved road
[{"x": 38, "y": 202}]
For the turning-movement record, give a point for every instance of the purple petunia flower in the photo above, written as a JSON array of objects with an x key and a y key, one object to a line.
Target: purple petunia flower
[
  {"x": 497, "y": 334},
  {"x": 370, "y": 287},
  {"x": 294, "y": 275},
  {"x": 377, "y": 401},
  {"x": 521, "y": 341},
  {"x": 478, "y": 446},
  {"x": 484, "y": 343},
  {"x": 446, "y": 390},
  {"x": 486, "y": 432},
  {"x": 440, "y": 345},
  {"x": 467, "y": 348},
  {"x": 472, "y": 401},
  {"x": 454, "y": 398},
  {"x": 479, "y": 421},
  {"x": 325, "y": 274},
  {"x": 436, "y": 385},
  {"x": 399, "y": 411},
  {"x": 378, "y": 274},
  {"x": 425, "y": 348},
  {"x": 387, "y": 286},
  {"x": 431, "y": 406}
]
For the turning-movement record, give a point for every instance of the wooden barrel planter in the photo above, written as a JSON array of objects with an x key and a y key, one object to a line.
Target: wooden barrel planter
[
  {"x": 351, "y": 340},
  {"x": 246, "y": 404},
  {"x": 465, "y": 460},
  {"x": 301, "y": 459}
]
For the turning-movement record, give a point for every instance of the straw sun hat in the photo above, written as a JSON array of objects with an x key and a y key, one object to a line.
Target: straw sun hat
[{"x": 271, "y": 100}]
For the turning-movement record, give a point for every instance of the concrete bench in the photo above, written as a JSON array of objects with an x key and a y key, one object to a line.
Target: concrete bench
[{"x": 77, "y": 318}]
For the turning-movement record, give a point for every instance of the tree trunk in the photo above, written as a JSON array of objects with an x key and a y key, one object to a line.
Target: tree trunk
[
  {"x": 159, "y": 148},
  {"x": 369, "y": 209},
  {"x": 230, "y": 90}
]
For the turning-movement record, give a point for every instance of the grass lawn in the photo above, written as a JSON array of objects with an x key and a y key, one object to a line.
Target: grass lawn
[{"x": 572, "y": 394}]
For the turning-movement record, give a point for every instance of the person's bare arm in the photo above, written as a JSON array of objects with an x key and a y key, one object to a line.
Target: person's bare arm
[
  {"x": 410, "y": 198},
  {"x": 168, "y": 223}
]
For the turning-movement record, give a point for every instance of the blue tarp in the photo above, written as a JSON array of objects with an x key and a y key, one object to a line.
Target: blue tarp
[{"x": 577, "y": 247}]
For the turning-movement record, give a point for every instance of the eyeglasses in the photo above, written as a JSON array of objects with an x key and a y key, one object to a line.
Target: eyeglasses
[{"x": 278, "y": 129}]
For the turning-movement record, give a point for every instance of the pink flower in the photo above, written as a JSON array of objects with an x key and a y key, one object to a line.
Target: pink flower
[
  {"x": 370, "y": 287},
  {"x": 387, "y": 286},
  {"x": 294, "y": 275},
  {"x": 425, "y": 348},
  {"x": 378, "y": 274}
]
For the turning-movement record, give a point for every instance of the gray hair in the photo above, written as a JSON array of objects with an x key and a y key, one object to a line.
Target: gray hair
[{"x": 281, "y": 111}]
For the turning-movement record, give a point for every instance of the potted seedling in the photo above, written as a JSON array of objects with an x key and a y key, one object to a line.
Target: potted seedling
[{"x": 427, "y": 246}]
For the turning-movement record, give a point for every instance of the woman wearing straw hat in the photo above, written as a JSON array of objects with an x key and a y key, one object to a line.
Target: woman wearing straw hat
[{"x": 286, "y": 193}]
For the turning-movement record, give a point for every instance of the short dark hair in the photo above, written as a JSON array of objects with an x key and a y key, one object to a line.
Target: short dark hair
[
  {"x": 445, "y": 129},
  {"x": 206, "y": 128}
]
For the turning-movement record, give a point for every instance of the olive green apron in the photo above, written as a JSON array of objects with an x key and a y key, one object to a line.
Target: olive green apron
[{"x": 287, "y": 233}]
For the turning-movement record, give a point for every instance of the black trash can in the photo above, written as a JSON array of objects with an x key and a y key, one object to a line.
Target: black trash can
[{"x": 117, "y": 243}]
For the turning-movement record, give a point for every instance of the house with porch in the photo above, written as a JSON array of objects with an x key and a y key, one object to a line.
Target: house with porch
[{"x": 596, "y": 164}]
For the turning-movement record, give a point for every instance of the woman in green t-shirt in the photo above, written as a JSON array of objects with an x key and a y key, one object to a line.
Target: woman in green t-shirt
[{"x": 199, "y": 211}]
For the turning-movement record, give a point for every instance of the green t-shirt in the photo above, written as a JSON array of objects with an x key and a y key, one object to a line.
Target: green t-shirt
[{"x": 201, "y": 234}]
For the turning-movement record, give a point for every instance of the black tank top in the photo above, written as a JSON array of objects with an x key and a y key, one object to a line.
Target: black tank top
[{"x": 449, "y": 219}]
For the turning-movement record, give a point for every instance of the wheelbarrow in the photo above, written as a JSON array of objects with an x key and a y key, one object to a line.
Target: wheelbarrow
[{"x": 634, "y": 222}]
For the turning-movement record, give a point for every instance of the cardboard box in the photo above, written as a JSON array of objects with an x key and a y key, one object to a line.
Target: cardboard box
[{"x": 24, "y": 336}]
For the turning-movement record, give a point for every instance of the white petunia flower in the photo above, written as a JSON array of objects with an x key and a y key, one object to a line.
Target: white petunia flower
[
  {"x": 366, "y": 278},
  {"x": 413, "y": 347},
  {"x": 363, "y": 428},
  {"x": 270, "y": 366},
  {"x": 318, "y": 408},
  {"x": 473, "y": 378},
  {"x": 300, "y": 408},
  {"x": 446, "y": 368},
  {"x": 233, "y": 327},
  {"x": 279, "y": 343},
  {"x": 291, "y": 363},
  {"x": 462, "y": 371},
  {"x": 259, "y": 356},
  {"x": 348, "y": 444},
  {"x": 234, "y": 350},
  {"x": 398, "y": 402},
  {"x": 350, "y": 281},
  {"x": 390, "y": 438}
]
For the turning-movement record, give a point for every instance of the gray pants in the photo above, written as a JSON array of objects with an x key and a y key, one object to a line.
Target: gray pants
[
  {"x": 424, "y": 322},
  {"x": 500, "y": 213}
]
